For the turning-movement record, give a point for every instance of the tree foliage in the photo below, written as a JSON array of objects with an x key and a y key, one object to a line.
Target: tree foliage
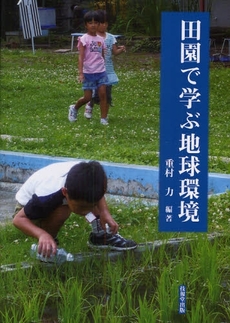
[{"x": 143, "y": 16}]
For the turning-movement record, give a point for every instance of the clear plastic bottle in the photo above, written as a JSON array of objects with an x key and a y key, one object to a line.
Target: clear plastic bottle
[{"x": 61, "y": 255}]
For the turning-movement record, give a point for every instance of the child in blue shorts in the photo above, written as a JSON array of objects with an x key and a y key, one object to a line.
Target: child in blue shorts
[
  {"x": 111, "y": 49},
  {"x": 91, "y": 65}
]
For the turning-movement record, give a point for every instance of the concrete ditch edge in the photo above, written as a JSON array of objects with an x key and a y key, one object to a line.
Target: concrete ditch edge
[{"x": 123, "y": 179}]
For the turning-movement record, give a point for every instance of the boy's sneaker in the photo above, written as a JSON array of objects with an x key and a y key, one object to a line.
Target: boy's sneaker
[
  {"x": 104, "y": 121},
  {"x": 88, "y": 111},
  {"x": 111, "y": 242},
  {"x": 72, "y": 116}
]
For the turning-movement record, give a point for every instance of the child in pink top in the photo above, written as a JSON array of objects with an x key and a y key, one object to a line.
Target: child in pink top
[{"x": 91, "y": 67}]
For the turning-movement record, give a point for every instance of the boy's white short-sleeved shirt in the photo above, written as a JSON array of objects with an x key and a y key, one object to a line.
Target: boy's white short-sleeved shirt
[{"x": 45, "y": 181}]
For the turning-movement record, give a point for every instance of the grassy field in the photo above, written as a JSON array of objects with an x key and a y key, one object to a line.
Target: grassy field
[{"x": 36, "y": 91}]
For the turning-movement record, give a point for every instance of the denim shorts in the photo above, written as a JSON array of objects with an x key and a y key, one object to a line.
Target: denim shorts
[{"x": 93, "y": 81}]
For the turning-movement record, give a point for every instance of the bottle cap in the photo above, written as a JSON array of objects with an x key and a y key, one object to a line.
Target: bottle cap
[{"x": 70, "y": 257}]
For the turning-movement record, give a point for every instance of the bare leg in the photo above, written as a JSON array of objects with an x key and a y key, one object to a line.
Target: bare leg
[
  {"x": 85, "y": 99},
  {"x": 103, "y": 101}
]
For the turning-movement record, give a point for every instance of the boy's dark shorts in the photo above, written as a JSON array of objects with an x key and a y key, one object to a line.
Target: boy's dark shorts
[{"x": 96, "y": 99}]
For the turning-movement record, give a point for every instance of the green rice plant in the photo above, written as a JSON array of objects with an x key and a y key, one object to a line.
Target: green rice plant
[
  {"x": 32, "y": 305},
  {"x": 11, "y": 316},
  {"x": 146, "y": 311},
  {"x": 72, "y": 302},
  {"x": 167, "y": 295},
  {"x": 112, "y": 307},
  {"x": 207, "y": 259},
  {"x": 23, "y": 306},
  {"x": 96, "y": 314},
  {"x": 202, "y": 283},
  {"x": 117, "y": 286},
  {"x": 200, "y": 313},
  {"x": 225, "y": 310},
  {"x": 202, "y": 275},
  {"x": 120, "y": 303}
]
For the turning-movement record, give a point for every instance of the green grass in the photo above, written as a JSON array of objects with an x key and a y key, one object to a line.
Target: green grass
[{"x": 36, "y": 91}]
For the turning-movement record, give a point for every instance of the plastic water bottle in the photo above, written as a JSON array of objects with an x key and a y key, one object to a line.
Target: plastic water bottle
[{"x": 61, "y": 255}]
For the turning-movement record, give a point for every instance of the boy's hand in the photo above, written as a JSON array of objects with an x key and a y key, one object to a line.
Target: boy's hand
[
  {"x": 107, "y": 218},
  {"x": 46, "y": 245}
]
